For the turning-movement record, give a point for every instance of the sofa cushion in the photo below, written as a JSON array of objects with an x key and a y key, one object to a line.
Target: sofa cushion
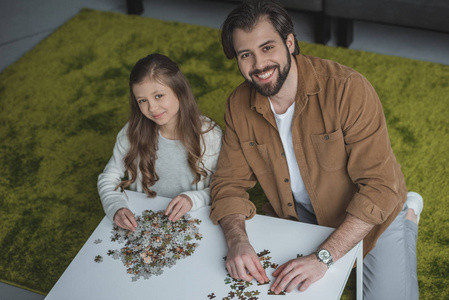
[{"x": 306, "y": 5}]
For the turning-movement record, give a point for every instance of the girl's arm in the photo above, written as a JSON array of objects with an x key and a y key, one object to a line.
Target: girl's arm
[
  {"x": 200, "y": 194},
  {"x": 200, "y": 197},
  {"x": 111, "y": 177}
]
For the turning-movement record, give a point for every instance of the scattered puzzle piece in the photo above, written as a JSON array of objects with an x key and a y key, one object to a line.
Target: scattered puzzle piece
[
  {"x": 98, "y": 259},
  {"x": 270, "y": 292},
  {"x": 264, "y": 252},
  {"x": 239, "y": 288},
  {"x": 97, "y": 241}
]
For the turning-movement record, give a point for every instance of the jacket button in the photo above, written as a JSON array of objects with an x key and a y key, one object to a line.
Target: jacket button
[
  {"x": 283, "y": 154},
  {"x": 290, "y": 204},
  {"x": 326, "y": 137},
  {"x": 251, "y": 144},
  {"x": 286, "y": 180}
]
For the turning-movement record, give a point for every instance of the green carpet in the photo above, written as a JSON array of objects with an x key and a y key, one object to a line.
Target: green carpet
[{"x": 62, "y": 104}]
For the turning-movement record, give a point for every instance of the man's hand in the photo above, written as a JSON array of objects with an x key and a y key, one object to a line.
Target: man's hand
[
  {"x": 301, "y": 271},
  {"x": 125, "y": 219},
  {"x": 178, "y": 207},
  {"x": 242, "y": 261},
  {"x": 308, "y": 269}
]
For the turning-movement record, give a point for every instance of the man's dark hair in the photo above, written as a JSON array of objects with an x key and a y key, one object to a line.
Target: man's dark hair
[{"x": 248, "y": 14}]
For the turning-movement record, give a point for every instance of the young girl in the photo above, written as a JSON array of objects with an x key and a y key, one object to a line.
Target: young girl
[{"x": 167, "y": 148}]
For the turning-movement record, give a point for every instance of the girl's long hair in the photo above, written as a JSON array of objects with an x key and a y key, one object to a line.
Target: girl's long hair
[{"x": 143, "y": 133}]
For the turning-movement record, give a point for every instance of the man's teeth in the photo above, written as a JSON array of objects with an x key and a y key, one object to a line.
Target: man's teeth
[{"x": 265, "y": 75}]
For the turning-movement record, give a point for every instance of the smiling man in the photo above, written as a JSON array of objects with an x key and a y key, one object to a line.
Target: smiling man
[{"x": 313, "y": 133}]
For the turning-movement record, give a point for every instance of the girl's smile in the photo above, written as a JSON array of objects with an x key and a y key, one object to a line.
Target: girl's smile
[{"x": 158, "y": 116}]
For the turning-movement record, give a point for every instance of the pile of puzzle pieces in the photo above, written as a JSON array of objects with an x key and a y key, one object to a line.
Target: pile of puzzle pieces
[{"x": 156, "y": 243}]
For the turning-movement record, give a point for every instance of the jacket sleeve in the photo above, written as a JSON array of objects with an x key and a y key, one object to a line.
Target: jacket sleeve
[
  {"x": 371, "y": 162},
  {"x": 233, "y": 176},
  {"x": 112, "y": 175},
  {"x": 212, "y": 143}
]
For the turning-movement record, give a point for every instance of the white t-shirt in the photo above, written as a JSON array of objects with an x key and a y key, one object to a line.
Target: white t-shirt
[{"x": 284, "y": 123}]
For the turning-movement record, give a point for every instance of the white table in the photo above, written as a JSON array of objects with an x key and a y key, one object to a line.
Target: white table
[{"x": 203, "y": 273}]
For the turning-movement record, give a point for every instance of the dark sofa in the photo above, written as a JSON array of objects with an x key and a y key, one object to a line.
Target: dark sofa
[{"x": 422, "y": 14}]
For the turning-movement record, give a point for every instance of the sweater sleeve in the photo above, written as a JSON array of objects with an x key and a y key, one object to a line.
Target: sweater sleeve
[
  {"x": 112, "y": 175},
  {"x": 212, "y": 143}
]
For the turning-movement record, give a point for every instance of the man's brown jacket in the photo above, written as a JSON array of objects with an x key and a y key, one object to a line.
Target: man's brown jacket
[{"x": 341, "y": 146}]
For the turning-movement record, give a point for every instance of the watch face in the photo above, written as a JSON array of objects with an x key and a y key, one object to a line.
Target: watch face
[{"x": 324, "y": 255}]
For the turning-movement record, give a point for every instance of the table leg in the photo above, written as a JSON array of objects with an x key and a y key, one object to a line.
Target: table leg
[{"x": 359, "y": 279}]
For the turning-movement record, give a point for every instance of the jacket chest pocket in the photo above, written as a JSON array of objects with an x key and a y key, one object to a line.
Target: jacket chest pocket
[
  {"x": 257, "y": 157},
  {"x": 330, "y": 150}
]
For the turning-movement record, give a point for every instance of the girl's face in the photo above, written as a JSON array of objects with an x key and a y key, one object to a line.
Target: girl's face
[{"x": 158, "y": 103}]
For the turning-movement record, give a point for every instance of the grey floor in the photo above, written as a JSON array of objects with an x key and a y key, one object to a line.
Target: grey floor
[{"x": 24, "y": 23}]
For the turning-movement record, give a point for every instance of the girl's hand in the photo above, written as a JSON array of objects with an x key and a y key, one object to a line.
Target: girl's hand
[
  {"x": 125, "y": 219},
  {"x": 178, "y": 207}
]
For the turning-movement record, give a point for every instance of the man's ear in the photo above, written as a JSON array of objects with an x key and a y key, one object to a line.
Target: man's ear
[{"x": 290, "y": 42}]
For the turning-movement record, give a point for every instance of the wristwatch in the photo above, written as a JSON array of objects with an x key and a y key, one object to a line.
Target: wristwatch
[{"x": 324, "y": 256}]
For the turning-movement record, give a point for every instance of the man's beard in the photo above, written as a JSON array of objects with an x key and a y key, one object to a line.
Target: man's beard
[{"x": 268, "y": 89}]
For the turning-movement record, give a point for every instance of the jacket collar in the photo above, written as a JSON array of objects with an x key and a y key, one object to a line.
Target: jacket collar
[{"x": 307, "y": 85}]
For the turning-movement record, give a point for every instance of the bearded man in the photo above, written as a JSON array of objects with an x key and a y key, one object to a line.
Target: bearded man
[{"x": 313, "y": 133}]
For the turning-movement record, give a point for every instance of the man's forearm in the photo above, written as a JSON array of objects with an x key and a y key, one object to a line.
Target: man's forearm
[
  {"x": 242, "y": 261},
  {"x": 346, "y": 236},
  {"x": 234, "y": 228}
]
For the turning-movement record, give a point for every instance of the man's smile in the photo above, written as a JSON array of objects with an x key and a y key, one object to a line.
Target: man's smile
[{"x": 266, "y": 74}]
